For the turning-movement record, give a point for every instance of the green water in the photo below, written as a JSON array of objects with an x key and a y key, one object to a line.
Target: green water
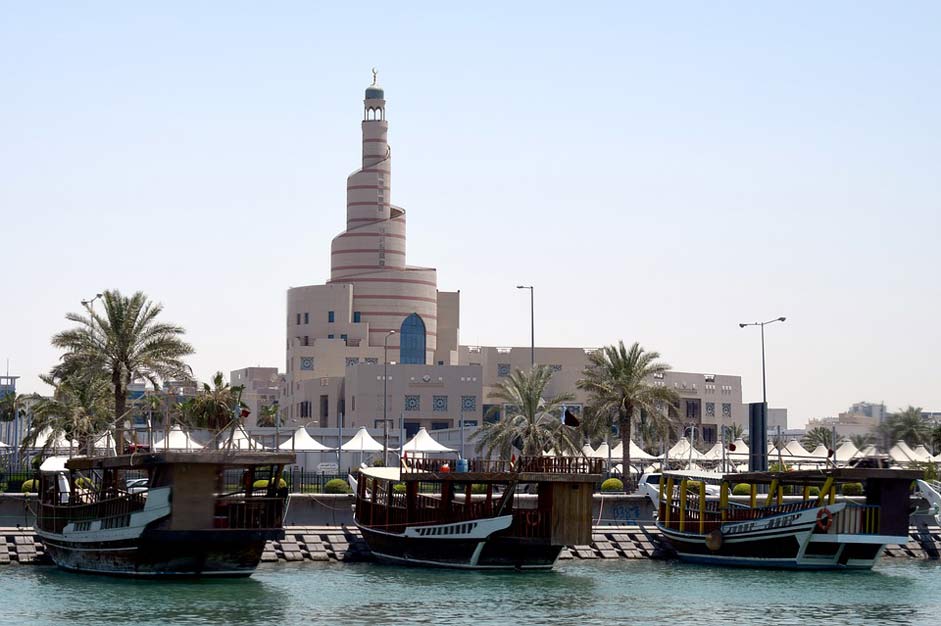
[{"x": 583, "y": 593}]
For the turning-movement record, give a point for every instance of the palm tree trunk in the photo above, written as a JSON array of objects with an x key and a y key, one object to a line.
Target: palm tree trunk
[{"x": 120, "y": 406}]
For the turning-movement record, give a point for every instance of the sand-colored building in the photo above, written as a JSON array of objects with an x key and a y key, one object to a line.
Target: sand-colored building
[{"x": 380, "y": 316}]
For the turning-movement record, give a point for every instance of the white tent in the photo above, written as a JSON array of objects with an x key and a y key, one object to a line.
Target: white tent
[
  {"x": 637, "y": 453},
  {"x": 902, "y": 454},
  {"x": 301, "y": 441},
  {"x": 177, "y": 440},
  {"x": 3, "y": 445},
  {"x": 604, "y": 451},
  {"x": 923, "y": 455},
  {"x": 714, "y": 453},
  {"x": 423, "y": 442},
  {"x": 868, "y": 451},
  {"x": 845, "y": 452},
  {"x": 105, "y": 442},
  {"x": 59, "y": 443},
  {"x": 740, "y": 452},
  {"x": 820, "y": 451},
  {"x": 588, "y": 451},
  {"x": 795, "y": 449},
  {"x": 362, "y": 442},
  {"x": 240, "y": 440},
  {"x": 683, "y": 451}
]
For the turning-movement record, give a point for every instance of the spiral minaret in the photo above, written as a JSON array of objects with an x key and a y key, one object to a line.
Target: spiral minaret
[{"x": 370, "y": 253}]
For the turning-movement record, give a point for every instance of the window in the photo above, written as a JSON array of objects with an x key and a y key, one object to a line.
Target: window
[
  {"x": 343, "y": 337},
  {"x": 324, "y": 409},
  {"x": 357, "y": 317},
  {"x": 440, "y": 362},
  {"x": 440, "y": 425},
  {"x": 298, "y": 318},
  {"x": 330, "y": 316},
  {"x": 658, "y": 374},
  {"x": 439, "y": 404},
  {"x": 306, "y": 340},
  {"x": 352, "y": 360},
  {"x": 303, "y": 408},
  {"x": 412, "y": 403},
  {"x": 412, "y": 340},
  {"x": 331, "y": 337},
  {"x": 710, "y": 378},
  {"x": 307, "y": 318}
]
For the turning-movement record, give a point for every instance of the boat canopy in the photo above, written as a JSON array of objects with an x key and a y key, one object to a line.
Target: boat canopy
[{"x": 54, "y": 464}]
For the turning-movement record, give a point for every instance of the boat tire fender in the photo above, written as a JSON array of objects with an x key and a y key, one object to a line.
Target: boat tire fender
[
  {"x": 714, "y": 540},
  {"x": 532, "y": 518},
  {"x": 824, "y": 519}
]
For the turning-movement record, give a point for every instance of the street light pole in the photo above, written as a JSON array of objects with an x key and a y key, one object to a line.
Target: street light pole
[
  {"x": 764, "y": 382},
  {"x": 532, "y": 324},
  {"x": 385, "y": 403}
]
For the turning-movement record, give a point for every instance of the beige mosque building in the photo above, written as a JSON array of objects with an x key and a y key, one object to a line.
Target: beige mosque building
[{"x": 377, "y": 313}]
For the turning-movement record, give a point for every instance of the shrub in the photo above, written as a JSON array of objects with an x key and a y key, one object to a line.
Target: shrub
[
  {"x": 377, "y": 462},
  {"x": 84, "y": 483},
  {"x": 693, "y": 486},
  {"x": 478, "y": 488},
  {"x": 814, "y": 491},
  {"x": 612, "y": 484},
  {"x": 398, "y": 487},
  {"x": 336, "y": 485},
  {"x": 741, "y": 489},
  {"x": 263, "y": 484},
  {"x": 853, "y": 489},
  {"x": 30, "y": 486}
]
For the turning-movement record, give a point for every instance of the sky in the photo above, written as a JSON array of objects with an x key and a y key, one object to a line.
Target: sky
[{"x": 659, "y": 172}]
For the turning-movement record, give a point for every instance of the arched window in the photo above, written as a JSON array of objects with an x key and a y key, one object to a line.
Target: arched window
[{"x": 412, "y": 340}]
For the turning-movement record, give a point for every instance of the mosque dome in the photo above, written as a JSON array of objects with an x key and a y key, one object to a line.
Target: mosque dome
[{"x": 374, "y": 92}]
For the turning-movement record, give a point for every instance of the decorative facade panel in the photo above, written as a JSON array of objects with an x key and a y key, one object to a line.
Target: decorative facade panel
[
  {"x": 503, "y": 369},
  {"x": 413, "y": 403},
  {"x": 351, "y": 360},
  {"x": 726, "y": 409},
  {"x": 439, "y": 404},
  {"x": 307, "y": 364},
  {"x": 710, "y": 409},
  {"x": 468, "y": 403}
]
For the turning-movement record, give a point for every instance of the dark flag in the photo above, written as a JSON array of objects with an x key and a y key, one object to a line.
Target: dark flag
[{"x": 569, "y": 418}]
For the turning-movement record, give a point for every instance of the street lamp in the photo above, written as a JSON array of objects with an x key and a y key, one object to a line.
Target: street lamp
[
  {"x": 385, "y": 403},
  {"x": 88, "y": 303},
  {"x": 532, "y": 324},
  {"x": 764, "y": 387}
]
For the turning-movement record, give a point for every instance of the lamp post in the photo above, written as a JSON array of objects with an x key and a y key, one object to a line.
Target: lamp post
[
  {"x": 532, "y": 324},
  {"x": 385, "y": 397},
  {"x": 764, "y": 386}
]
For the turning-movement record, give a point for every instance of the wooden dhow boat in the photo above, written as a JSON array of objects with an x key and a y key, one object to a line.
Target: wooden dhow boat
[
  {"x": 806, "y": 530},
  {"x": 495, "y": 515},
  {"x": 200, "y": 513}
]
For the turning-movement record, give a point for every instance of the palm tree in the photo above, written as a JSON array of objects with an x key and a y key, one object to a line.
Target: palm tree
[
  {"x": 621, "y": 385},
  {"x": 12, "y": 408},
  {"x": 861, "y": 441},
  {"x": 817, "y": 436},
  {"x": 126, "y": 343},
  {"x": 909, "y": 426},
  {"x": 79, "y": 408},
  {"x": 530, "y": 421},
  {"x": 268, "y": 415},
  {"x": 734, "y": 431},
  {"x": 214, "y": 408}
]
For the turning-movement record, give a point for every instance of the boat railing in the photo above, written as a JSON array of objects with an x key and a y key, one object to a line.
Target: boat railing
[
  {"x": 530, "y": 524},
  {"x": 249, "y": 513},
  {"x": 113, "y": 512},
  {"x": 543, "y": 465},
  {"x": 856, "y": 519}
]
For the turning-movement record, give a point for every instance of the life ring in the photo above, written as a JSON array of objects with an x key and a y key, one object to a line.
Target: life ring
[
  {"x": 824, "y": 519},
  {"x": 714, "y": 540},
  {"x": 532, "y": 518}
]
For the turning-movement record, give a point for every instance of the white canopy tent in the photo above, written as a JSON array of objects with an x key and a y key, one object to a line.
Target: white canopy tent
[
  {"x": 362, "y": 442},
  {"x": 795, "y": 449},
  {"x": 604, "y": 451},
  {"x": 589, "y": 452},
  {"x": 240, "y": 441},
  {"x": 923, "y": 455},
  {"x": 682, "y": 451},
  {"x": 105, "y": 443},
  {"x": 424, "y": 443},
  {"x": 845, "y": 452},
  {"x": 902, "y": 454},
  {"x": 301, "y": 441},
  {"x": 714, "y": 453},
  {"x": 637, "y": 453},
  {"x": 44, "y": 440},
  {"x": 176, "y": 439},
  {"x": 741, "y": 450}
]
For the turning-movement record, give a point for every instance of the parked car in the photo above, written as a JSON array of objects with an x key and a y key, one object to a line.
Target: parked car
[{"x": 137, "y": 485}]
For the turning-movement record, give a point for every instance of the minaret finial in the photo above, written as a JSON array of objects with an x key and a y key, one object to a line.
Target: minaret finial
[{"x": 375, "y": 76}]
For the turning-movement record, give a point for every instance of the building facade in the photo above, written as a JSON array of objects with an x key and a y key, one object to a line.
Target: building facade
[{"x": 378, "y": 341}]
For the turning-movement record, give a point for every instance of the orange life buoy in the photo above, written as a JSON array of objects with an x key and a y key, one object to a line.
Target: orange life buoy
[
  {"x": 824, "y": 519},
  {"x": 532, "y": 518}
]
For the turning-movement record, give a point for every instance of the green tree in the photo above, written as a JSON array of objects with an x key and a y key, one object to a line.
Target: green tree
[
  {"x": 126, "y": 342},
  {"x": 268, "y": 415},
  {"x": 530, "y": 421},
  {"x": 818, "y": 436},
  {"x": 80, "y": 408},
  {"x": 734, "y": 431},
  {"x": 215, "y": 407},
  {"x": 909, "y": 426},
  {"x": 12, "y": 408},
  {"x": 862, "y": 441},
  {"x": 621, "y": 384}
]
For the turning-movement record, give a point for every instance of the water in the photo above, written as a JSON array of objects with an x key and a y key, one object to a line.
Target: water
[{"x": 583, "y": 593}]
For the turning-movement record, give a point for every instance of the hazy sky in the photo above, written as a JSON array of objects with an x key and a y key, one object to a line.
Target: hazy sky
[{"x": 659, "y": 173}]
